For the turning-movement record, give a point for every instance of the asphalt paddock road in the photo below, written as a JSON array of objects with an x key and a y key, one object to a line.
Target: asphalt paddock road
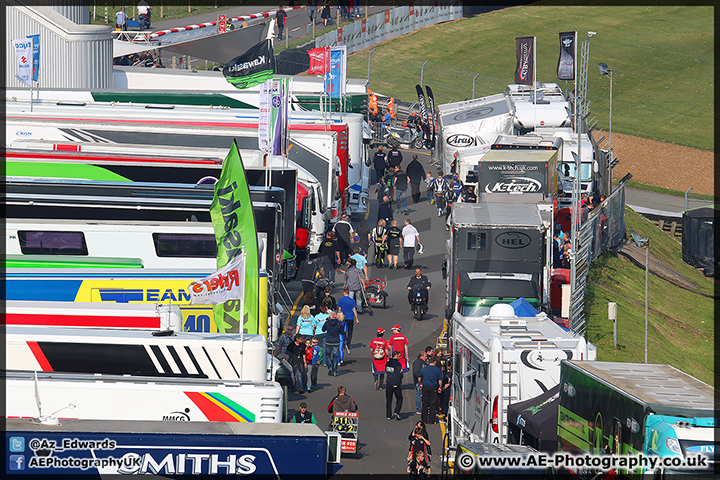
[{"x": 383, "y": 443}]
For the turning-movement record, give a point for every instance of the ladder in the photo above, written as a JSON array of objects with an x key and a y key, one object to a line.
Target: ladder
[{"x": 509, "y": 369}]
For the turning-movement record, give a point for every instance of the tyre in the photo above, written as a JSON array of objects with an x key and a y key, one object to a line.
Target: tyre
[{"x": 418, "y": 143}]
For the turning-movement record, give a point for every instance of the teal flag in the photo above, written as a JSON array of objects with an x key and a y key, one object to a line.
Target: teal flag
[{"x": 234, "y": 225}]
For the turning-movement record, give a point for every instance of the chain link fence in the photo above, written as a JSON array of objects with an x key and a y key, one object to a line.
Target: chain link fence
[{"x": 603, "y": 230}]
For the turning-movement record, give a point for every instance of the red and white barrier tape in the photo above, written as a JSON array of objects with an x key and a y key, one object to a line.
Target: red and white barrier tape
[{"x": 210, "y": 24}]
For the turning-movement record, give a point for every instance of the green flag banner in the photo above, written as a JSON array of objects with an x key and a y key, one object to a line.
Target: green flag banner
[
  {"x": 252, "y": 67},
  {"x": 234, "y": 224}
]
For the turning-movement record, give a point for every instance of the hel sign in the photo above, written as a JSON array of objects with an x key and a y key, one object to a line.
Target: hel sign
[{"x": 228, "y": 283}]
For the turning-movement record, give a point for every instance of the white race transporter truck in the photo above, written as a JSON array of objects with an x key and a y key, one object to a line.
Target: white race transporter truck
[
  {"x": 116, "y": 397},
  {"x": 500, "y": 359}
]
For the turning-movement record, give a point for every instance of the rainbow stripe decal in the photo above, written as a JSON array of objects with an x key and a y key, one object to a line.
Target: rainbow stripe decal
[{"x": 219, "y": 408}]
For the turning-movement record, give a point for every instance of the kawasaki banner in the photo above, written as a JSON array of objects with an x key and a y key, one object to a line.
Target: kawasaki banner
[
  {"x": 335, "y": 77},
  {"x": 525, "y": 54},
  {"x": 274, "y": 118},
  {"x": 228, "y": 283},
  {"x": 234, "y": 224},
  {"x": 566, "y": 62},
  {"x": 24, "y": 52},
  {"x": 252, "y": 67}
]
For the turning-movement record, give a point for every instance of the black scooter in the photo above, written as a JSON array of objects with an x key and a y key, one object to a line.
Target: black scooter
[{"x": 419, "y": 302}]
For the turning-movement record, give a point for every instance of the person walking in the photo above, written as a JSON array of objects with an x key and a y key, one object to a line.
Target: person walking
[
  {"x": 399, "y": 343},
  {"x": 319, "y": 322},
  {"x": 344, "y": 232},
  {"x": 354, "y": 283},
  {"x": 417, "y": 365},
  {"x": 411, "y": 238},
  {"x": 430, "y": 378},
  {"x": 394, "y": 372},
  {"x": 416, "y": 173},
  {"x": 348, "y": 307},
  {"x": 440, "y": 188},
  {"x": 361, "y": 261},
  {"x": 400, "y": 183},
  {"x": 311, "y": 8},
  {"x": 280, "y": 18},
  {"x": 308, "y": 272},
  {"x": 330, "y": 255},
  {"x": 363, "y": 232},
  {"x": 285, "y": 339},
  {"x": 379, "y": 348},
  {"x": 295, "y": 354},
  {"x": 334, "y": 328},
  {"x": 418, "y": 468},
  {"x": 379, "y": 164},
  {"x": 424, "y": 433},
  {"x": 394, "y": 157},
  {"x": 303, "y": 415},
  {"x": 305, "y": 323},
  {"x": 385, "y": 213},
  {"x": 377, "y": 237},
  {"x": 429, "y": 186},
  {"x": 342, "y": 402},
  {"x": 315, "y": 361},
  {"x": 393, "y": 240}
]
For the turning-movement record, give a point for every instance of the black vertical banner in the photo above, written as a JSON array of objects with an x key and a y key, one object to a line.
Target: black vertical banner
[
  {"x": 525, "y": 54},
  {"x": 424, "y": 117},
  {"x": 433, "y": 120},
  {"x": 566, "y": 61}
]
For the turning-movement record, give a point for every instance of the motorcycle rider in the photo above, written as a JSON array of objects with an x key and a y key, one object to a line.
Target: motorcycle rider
[
  {"x": 441, "y": 187},
  {"x": 418, "y": 282}
]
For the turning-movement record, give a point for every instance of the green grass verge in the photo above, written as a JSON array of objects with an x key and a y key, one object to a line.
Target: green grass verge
[
  {"x": 681, "y": 322},
  {"x": 662, "y": 60},
  {"x": 667, "y": 191}
]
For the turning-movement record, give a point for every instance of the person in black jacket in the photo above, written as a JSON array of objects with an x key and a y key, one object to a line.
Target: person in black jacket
[
  {"x": 416, "y": 172},
  {"x": 394, "y": 157},
  {"x": 417, "y": 365},
  {"x": 385, "y": 210},
  {"x": 379, "y": 164},
  {"x": 393, "y": 386},
  {"x": 334, "y": 328},
  {"x": 418, "y": 282}
]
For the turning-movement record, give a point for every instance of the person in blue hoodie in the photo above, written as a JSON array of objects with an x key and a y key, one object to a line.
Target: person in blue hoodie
[{"x": 333, "y": 327}]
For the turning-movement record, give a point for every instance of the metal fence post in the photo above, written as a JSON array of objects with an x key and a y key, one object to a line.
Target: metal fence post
[
  {"x": 686, "y": 198},
  {"x": 422, "y": 72}
]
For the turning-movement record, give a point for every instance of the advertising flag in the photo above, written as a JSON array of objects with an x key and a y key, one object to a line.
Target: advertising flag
[
  {"x": 319, "y": 60},
  {"x": 36, "y": 55},
  {"x": 335, "y": 77},
  {"x": 431, "y": 105},
  {"x": 252, "y": 67},
  {"x": 424, "y": 116},
  {"x": 234, "y": 224},
  {"x": 274, "y": 116},
  {"x": 228, "y": 283},
  {"x": 24, "y": 52},
  {"x": 525, "y": 54},
  {"x": 566, "y": 62}
]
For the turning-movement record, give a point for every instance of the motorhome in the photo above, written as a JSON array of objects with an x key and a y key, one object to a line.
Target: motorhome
[
  {"x": 94, "y": 315},
  {"x": 322, "y": 147},
  {"x": 114, "y": 286},
  {"x": 140, "y": 398},
  {"x": 137, "y": 353},
  {"x": 175, "y": 165},
  {"x": 502, "y": 358}
]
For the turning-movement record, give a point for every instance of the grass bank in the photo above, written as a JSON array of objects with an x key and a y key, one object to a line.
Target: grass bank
[
  {"x": 681, "y": 328},
  {"x": 662, "y": 60}
]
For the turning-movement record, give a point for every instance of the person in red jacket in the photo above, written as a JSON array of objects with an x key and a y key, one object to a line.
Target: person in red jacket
[
  {"x": 378, "y": 349},
  {"x": 399, "y": 343}
]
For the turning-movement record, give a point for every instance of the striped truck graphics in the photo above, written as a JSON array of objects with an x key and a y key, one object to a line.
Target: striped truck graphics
[{"x": 136, "y": 353}]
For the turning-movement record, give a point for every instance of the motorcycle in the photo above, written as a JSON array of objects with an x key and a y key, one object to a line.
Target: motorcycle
[
  {"x": 419, "y": 302},
  {"x": 145, "y": 20},
  {"x": 410, "y": 135}
]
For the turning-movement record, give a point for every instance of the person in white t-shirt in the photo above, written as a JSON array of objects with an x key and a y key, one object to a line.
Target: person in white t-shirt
[{"x": 411, "y": 238}]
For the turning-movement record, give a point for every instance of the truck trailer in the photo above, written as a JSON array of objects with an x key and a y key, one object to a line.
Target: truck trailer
[
  {"x": 622, "y": 408},
  {"x": 497, "y": 253},
  {"x": 502, "y": 358},
  {"x": 115, "y": 447}
]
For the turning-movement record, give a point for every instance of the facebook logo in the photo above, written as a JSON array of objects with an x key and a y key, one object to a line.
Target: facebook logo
[
  {"x": 17, "y": 462},
  {"x": 17, "y": 444}
]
